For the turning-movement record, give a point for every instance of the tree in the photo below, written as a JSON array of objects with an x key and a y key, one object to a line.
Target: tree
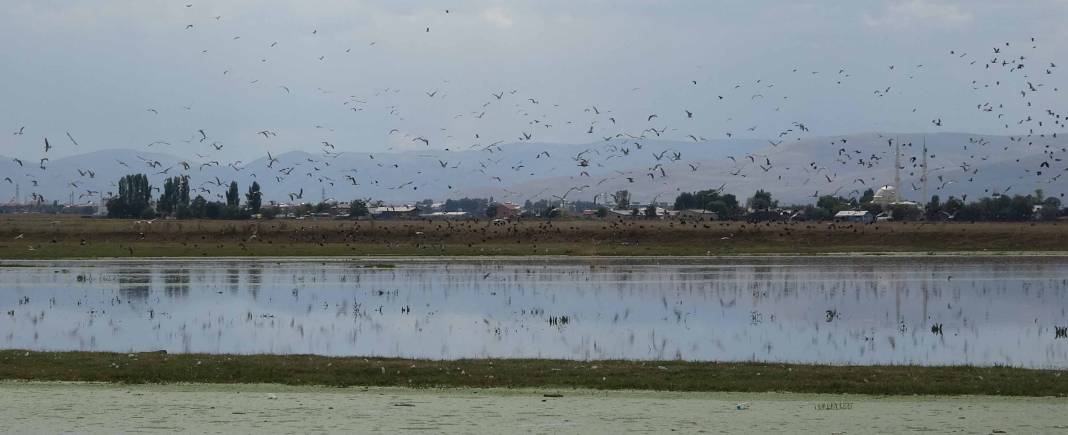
[
  {"x": 871, "y": 207},
  {"x": 685, "y": 201},
  {"x": 951, "y": 207},
  {"x": 904, "y": 212},
  {"x": 1051, "y": 209},
  {"x": 198, "y": 207},
  {"x": 253, "y": 199},
  {"x": 491, "y": 211},
  {"x": 602, "y": 212},
  {"x": 167, "y": 199},
  {"x": 831, "y": 204},
  {"x": 233, "y": 199},
  {"x": 358, "y": 208},
  {"x": 867, "y": 196},
  {"x": 1022, "y": 208},
  {"x": 213, "y": 210},
  {"x": 134, "y": 199},
  {"x": 650, "y": 211},
  {"x": 174, "y": 200},
  {"x": 622, "y": 199},
  {"x": 933, "y": 210},
  {"x": 761, "y": 201},
  {"x": 726, "y": 206},
  {"x": 426, "y": 204}
]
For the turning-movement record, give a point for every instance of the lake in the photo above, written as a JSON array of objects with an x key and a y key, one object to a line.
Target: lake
[{"x": 934, "y": 310}]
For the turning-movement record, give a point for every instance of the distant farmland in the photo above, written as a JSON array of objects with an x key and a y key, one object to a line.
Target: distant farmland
[{"x": 45, "y": 237}]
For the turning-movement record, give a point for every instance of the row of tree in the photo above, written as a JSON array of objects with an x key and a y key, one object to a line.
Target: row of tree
[
  {"x": 134, "y": 200},
  {"x": 1003, "y": 208}
]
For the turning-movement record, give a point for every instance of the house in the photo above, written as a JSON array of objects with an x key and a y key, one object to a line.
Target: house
[
  {"x": 854, "y": 216},
  {"x": 699, "y": 214},
  {"x": 507, "y": 210},
  {"x": 395, "y": 212},
  {"x": 446, "y": 215}
]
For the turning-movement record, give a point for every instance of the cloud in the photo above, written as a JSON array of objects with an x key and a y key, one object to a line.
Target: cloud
[
  {"x": 906, "y": 13},
  {"x": 497, "y": 16}
]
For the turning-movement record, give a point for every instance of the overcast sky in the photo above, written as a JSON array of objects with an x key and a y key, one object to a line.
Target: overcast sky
[{"x": 94, "y": 68}]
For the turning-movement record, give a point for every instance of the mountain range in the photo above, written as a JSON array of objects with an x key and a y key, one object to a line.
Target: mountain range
[{"x": 794, "y": 172}]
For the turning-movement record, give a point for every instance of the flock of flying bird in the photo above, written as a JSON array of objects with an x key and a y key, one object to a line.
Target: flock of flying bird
[{"x": 620, "y": 153}]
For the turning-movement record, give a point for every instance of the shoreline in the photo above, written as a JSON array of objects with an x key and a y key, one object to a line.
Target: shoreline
[
  {"x": 561, "y": 257},
  {"x": 312, "y": 370},
  {"x": 64, "y": 238}
]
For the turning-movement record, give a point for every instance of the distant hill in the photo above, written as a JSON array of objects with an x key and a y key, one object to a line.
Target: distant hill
[{"x": 959, "y": 164}]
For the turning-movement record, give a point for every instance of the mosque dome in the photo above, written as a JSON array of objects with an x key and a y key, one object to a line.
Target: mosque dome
[{"x": 885, "y": 195}]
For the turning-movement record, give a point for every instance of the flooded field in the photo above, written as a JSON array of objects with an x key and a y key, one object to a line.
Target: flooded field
[{"x": 837, "y": 310}]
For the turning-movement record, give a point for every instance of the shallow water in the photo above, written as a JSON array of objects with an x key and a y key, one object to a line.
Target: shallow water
[{"x": 841, "y": 310}]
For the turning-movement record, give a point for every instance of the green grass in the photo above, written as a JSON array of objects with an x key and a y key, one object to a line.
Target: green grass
[{"x": 518, "y": 373}]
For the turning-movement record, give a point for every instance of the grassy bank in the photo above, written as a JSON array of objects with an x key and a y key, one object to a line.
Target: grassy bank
[
  {"x": 509, "y": 373},
  {"x": 48, "y": 237}
]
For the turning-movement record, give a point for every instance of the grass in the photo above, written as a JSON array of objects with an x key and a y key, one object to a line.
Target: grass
[
  {"x": 54, "y": 237},
  {"x": 519, "y": 373}
]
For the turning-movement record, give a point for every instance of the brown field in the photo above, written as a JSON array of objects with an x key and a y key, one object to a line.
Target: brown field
[{"x": 50, "y": 237}]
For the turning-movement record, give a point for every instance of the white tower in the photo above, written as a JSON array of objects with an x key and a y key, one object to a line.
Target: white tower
[{"x": 897, "y": 170}]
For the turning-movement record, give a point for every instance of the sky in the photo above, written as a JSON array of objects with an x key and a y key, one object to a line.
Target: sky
[{"x": 372, "y": 76}]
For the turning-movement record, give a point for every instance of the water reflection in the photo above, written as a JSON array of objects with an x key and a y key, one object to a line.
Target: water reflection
[{"x": 928, "y": 311}]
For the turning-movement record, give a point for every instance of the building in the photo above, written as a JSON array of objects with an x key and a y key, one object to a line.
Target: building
[
  {"x": 699, "y": 214},
  {"x": 885, "y": 196},
  {"x": 395, "y": 212},
  {"x": 447, "y": 215},
  {"x": 860, "y": 216},
  {"x": 507, "y": 210}
]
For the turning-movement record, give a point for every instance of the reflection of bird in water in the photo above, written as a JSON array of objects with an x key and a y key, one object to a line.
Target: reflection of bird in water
[{"x": 936, "y": 329}]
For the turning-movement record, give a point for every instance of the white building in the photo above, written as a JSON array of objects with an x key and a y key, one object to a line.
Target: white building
[{"x": 854, "y": 216}]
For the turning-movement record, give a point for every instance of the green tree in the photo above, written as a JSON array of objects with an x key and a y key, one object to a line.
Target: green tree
[
  {"x": 167, "y": 199},
  {"x": 358, "y": 208},
  {"x": 1051, "y": 209},
  {"x": 867, "y": 196},
  {"x": 254, "y": 198},
  {"x": 725, "y": 205},
  {"x": 685, "y": 201},
  {"x": 233, "y": 199},
  {"x": 905, "y": 212},
  {"x": 951, "y": 207},
  {"x": 831, "y": 204},
  {"x": 761, "y": 201},
  {"x": 198, "y": 207},
  {"x": 134, "y": 198},
  {"x": 602, "y": 212},
  {"x": 174, "y": 200},
  {"x": 933, "y": 210}
]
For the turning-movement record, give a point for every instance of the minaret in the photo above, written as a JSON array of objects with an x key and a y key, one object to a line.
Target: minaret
[{"x": 897, "y": 170}]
